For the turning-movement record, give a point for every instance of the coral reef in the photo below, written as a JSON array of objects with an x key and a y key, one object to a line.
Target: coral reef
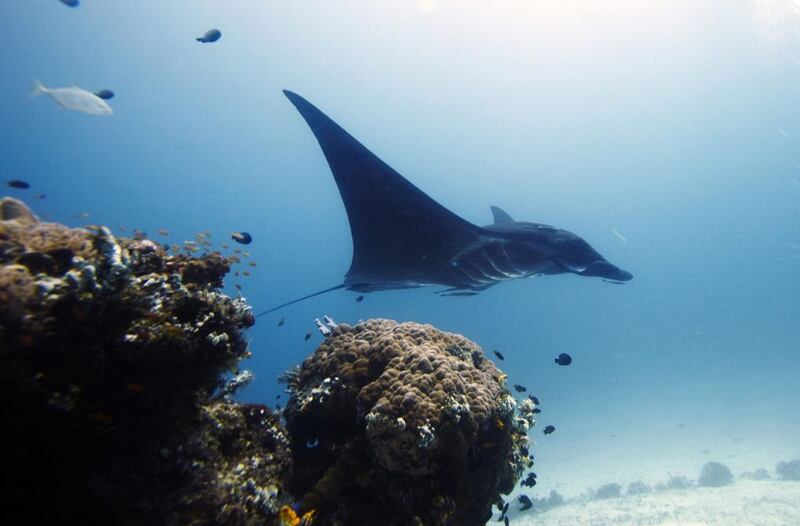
[
  {"x": 554, "y": 499},
  {"x": 714, "y": 474},
  {"x": 638, "y": 488},
  {"x": 608, "y": 491},
  {"x": 758, "y": 474},
  {"x": 788, "y": 470},
  {"x": 403, "y": 424},
  {"x": 118, "y": 363},
  {"x": 678, "y": 482},
  {"x": 113, "y": 357}
]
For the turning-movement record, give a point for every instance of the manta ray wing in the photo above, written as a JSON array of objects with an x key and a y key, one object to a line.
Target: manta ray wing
[{"x": 401, "y": 237}]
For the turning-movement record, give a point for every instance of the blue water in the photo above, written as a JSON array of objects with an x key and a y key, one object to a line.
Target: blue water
[{"x": 673, "y": 123}]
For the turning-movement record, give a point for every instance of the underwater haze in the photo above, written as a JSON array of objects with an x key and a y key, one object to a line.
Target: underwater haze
[{"x": 665, "y": 133}]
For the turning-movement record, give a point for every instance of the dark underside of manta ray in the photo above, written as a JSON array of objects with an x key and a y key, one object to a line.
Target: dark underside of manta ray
[{"x": 402, "y": 238}]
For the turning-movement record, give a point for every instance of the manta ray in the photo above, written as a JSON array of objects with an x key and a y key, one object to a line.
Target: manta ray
[{"x": 402, "y": 238}]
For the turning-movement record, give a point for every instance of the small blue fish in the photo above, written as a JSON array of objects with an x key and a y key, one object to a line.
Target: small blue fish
[
  {"x": 311, "y": 444},
  {"x": 105, "y": 94},
  {"x": 563, "y": 359},
  {"x": 71, "y": 3},
  {"x": 18, "y": 183},
  {"x": 212, "y": 35},
  {"x": 242, "y": 237},
  {"x": 530, "y": 480}
]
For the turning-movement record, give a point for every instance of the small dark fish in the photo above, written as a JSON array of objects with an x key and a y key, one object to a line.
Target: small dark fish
[
  {"x": 242, "y": 237},
  {"x": 549, "y": 429},
  {"x": 530, "y": 480},
  {"x": 238, "y": 287},
  {"x": 525, "y": 501},
  {"x": 281, "y": 322},
  {"x": 312, "y": 443},
  {"x": 503, "y": 512},
  {"x": 212, "y": 35},
  {"x": 536, "y": 410},
  {"x": 41, "y": 196},
  {"x": 308, "y": 336},
  {"x": 278, "y": 397},
  {"x": 520, "y": 388},
  {"x": 459, "y": 294},
  {"x": 533, "y": 399},
  {"x": 360, "y": 299},
  {"x": 16, "y": 183},
  {"x": 499, "y": 355},
  {"x": 505, "y": 520},
  {"x": 105, "y": 94},
  {"x": 563, "y": 359},
  {"x": 71, "y": 3}
]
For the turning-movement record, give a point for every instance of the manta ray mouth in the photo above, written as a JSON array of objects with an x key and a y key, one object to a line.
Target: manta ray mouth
[{"x": 604, "y": 269}]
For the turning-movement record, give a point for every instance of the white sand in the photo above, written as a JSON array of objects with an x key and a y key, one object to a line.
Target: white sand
[
  {"x": 743, "y": 503},
  {"x": 581, "y": 460}
]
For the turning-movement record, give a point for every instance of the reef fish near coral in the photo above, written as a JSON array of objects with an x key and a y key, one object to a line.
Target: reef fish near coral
[
  {"x": 74, "y": 98},
  {"x": 17, "y": 183},
  {"x": 403, "y": 239},
  {"x": 530, "y": 480},
  {"x": 242, "y": 237}
]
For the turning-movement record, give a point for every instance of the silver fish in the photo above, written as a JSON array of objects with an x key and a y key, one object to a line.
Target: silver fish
[{"x": 74, "y": 98}]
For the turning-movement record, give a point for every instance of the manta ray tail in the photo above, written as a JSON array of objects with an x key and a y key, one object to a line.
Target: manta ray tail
[{"x": 337, "y": 287}]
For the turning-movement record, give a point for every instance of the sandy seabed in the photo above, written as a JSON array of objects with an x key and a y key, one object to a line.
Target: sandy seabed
[{"x": 743, "y": 503}]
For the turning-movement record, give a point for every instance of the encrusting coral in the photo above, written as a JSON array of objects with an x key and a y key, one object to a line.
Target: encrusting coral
[
  {"x": 113, "y": 357},
  {"x": 403, "y": 424}
]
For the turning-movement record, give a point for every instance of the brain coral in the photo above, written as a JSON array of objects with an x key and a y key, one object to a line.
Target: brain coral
[
  {"x": 113, "y": 356},
  {"x": 401, "y": 424}
]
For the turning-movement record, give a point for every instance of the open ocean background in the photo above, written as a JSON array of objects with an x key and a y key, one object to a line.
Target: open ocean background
[{"x": 675, "y": 123}]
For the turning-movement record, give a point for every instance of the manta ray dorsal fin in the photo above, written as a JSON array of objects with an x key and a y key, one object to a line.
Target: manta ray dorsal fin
[
  {"x": 500, "y": 215},
  {"x": 400, "y": 234}
]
